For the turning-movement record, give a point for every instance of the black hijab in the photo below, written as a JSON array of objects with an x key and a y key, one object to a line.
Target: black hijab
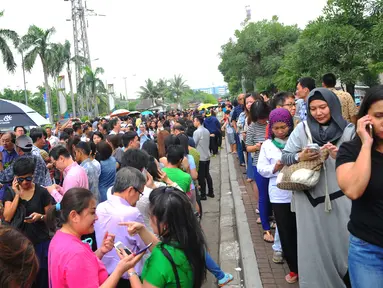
[{"x": 336, "y": 125}]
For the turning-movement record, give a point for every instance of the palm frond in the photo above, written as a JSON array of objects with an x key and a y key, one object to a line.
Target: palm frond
[
  {"x": 30, "y": 59},
  {"x": 11, "y": 35},
  {"x": 8, "y": 59}
]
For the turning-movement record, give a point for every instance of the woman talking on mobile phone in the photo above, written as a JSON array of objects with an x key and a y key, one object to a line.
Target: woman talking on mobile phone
[
  {"x": 178, "y": 258},
  {"x": 321, "y": 212},
  {"x": 26, "y": 204},
  {"x": 359, "y": 166}
]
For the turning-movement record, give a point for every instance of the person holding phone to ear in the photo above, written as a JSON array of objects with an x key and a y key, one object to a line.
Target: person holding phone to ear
[
  {"x": 35, "y": 200},
  {"x": 359, "y": 166}
]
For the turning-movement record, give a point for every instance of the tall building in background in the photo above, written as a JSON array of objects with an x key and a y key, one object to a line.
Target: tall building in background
[{"x": 215, "y": 90}]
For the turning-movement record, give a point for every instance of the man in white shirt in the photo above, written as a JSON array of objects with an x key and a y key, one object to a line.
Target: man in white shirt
[{"x": 53, "y": 140}]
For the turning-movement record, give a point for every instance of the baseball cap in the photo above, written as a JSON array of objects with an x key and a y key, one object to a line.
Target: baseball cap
[{"x": 24, "y": 142}]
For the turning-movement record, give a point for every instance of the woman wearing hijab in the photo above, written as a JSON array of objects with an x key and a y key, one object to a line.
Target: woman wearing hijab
[
  {"x": 322, "y": 212},
  {"x": 269, "y": 165}
]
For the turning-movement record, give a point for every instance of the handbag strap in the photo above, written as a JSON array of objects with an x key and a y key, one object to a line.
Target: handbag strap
[
  {"x": 170, "y": 258},
  {"x": 308, "y": 132}
]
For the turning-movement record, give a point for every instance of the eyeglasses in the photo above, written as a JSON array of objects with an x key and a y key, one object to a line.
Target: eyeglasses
[
  {"x": 290, "y": 105},
  {"x": 139, "y": 192},
  {"x": 22, "y": 179}
]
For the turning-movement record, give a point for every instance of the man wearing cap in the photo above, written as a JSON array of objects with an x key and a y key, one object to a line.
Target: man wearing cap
[{"x": 24, "y": 146}]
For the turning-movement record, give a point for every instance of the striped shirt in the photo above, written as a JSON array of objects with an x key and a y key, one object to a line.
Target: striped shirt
[{"x": 256, "y": 133}]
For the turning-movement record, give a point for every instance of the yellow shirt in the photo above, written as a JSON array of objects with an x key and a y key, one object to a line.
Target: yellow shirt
[{"x": 348, "y": 105}]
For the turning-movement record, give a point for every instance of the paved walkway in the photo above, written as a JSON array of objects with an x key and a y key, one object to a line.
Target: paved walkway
[
  {"x": 218, "y": 223},
  {"x": 272, "y": 275}
]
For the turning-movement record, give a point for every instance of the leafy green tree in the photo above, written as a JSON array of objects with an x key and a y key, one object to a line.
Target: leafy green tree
[
  {"x": 92, "y": 85},
  {"x": 37, "y": 43},
  {"x": 5, "y": 50},
  {"x": 256, "y": 54}
]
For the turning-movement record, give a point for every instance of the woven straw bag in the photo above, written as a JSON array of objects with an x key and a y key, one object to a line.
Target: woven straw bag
[{"x": 303, "y": 175}]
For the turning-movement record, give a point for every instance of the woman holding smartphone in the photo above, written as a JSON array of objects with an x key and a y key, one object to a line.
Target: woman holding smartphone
[
  {"x": 35, "y": 201},
  {"x": 72, "y": 263},
  {"x": 181, "y": 242},
  {"x": 359, "y": 165},
  {"x": 321, "y": 212}
]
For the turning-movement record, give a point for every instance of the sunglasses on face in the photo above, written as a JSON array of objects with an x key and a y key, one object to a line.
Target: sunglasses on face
[{"x": 22, "y": 179}]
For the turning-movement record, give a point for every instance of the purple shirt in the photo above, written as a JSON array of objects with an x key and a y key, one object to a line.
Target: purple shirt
[
  {"x": 8, "y": 158},
  {"x": 110, "y": 213},
  {"x": 74, "y": 176}
]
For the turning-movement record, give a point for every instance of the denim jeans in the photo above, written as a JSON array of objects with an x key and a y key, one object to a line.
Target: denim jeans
[
  {"x": 213, "y": 267},
  {"x": 264, "y": 204},
  {"x": 241, "y": 157},
  {"x": 365, "y": 264}
]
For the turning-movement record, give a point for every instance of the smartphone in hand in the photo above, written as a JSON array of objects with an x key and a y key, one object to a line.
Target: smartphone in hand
[
  {"x": 144, "y": 249},
  {"x": 119, "y": 247},
  {"x": 28, "y": 217}
]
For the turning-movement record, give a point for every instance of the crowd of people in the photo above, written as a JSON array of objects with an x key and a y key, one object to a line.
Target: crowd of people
[
  {"x": 330, "y": 235},
  {"x": 117, "y": 203},
  {"x": 108, "y": 203}
]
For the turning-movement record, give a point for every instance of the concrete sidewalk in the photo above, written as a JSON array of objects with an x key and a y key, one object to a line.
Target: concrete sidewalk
[{"x": 219, "y": 224}]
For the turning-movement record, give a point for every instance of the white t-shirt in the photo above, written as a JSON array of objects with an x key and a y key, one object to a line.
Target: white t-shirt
[{"x": 268, "y": 156}]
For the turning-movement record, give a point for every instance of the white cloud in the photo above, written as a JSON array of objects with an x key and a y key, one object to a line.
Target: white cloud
[{"x": 149, "y": 38}]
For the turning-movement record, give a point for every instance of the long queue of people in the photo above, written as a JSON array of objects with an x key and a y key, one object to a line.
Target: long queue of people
[
  {"x": 108, "y": 204},
  {"x": 330, "y": 235}
]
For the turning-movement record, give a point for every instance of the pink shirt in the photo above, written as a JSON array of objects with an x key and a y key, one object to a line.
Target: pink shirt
[
  {"x": 74, "y": 176},
  {"x": 72, "y": 264}
]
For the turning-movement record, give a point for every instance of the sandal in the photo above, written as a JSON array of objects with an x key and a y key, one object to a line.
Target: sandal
[
  {"x": 259, "y": 220},
  {"x": 248, "y": 180},
  {"x": 291, "y": 278},
  {"x": 268, "y": 237}
]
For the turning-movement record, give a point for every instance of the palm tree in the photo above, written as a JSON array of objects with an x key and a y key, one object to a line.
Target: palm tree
[
  {"x": 36, "y": 43},
  {"x": 5, "y": 50},
  {"x": 149, "y": 91},
  {"x": 178, "y": 87},
  {"x": 68, "y": 60},
  {"x": 90, "y": 83},
  {"x": 55, "y": 68},
  {"x": 162, "y": 88}
]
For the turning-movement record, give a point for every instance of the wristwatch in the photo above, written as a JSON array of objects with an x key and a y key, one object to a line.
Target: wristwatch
[{"x": 132, "y": 274}]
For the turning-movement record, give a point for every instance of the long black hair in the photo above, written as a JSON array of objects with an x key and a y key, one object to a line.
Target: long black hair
[
  {"x": 173, "y": 208},
  {"x": 373, "y": 95}
]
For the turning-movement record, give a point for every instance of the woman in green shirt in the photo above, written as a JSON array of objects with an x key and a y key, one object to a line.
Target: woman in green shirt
[{"x": 181, "y": 237}]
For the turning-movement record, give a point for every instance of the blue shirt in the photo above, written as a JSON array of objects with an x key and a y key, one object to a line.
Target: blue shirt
[
  {"x": 237, "y": 110},
  {"x": 107, "y": 176},
  {"x": 302, "y": 110},
  {"x": 7, "y": 162},
  {"x": 212, "y": 124}
]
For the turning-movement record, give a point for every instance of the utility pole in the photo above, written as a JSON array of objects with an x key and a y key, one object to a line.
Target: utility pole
[{"x": 80, "y": 39}]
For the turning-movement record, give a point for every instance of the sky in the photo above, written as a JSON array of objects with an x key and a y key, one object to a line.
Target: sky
[{"x": 148, "y": 38}]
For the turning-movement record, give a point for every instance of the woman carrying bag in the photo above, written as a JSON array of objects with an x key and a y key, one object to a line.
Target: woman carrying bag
[{"x": 321, "y": 212}]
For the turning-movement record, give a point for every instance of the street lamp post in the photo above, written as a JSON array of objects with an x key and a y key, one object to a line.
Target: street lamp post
[
  {"x": 126, "y": 90},
  {"x": 25, "y": 83}
]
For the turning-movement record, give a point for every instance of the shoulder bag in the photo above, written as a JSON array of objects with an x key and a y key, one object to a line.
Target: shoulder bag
[
  {"x": 170, "y": 258},
  {"x": 303, "y": 175}
]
